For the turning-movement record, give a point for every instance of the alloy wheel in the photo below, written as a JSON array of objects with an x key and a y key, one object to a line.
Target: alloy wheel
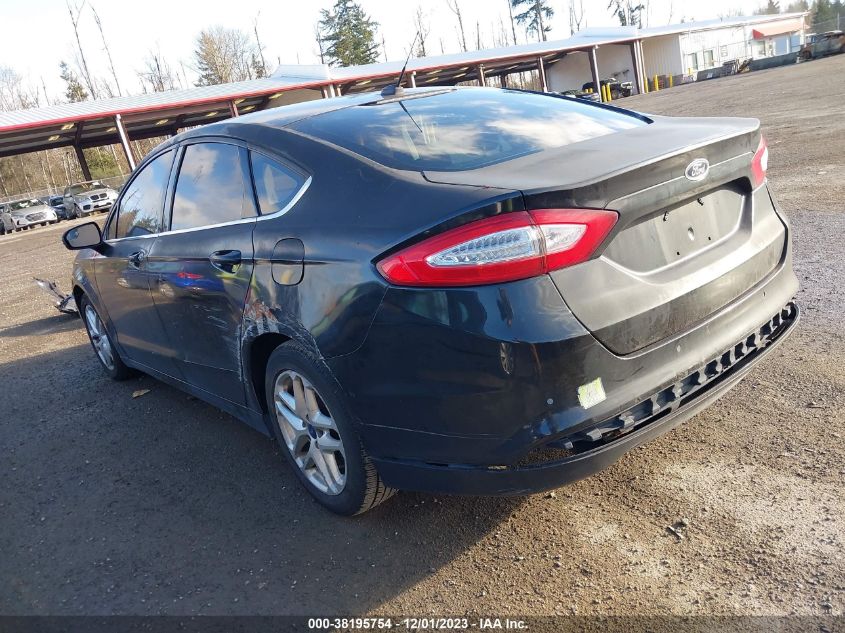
[
  {"x": 310, "y": 432},
  {"x": 99, "y": 337}
]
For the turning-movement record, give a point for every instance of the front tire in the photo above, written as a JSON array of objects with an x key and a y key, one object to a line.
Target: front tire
[
  {"x": 105, "y": 350},
  {"x": 316, "y": 432}
]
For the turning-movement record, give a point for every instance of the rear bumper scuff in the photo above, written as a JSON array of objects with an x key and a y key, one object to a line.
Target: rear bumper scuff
[{"x": 594, "y": 449}]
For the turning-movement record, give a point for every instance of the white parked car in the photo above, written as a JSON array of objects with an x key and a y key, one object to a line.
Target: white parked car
[{"x": 30, "y": 213}]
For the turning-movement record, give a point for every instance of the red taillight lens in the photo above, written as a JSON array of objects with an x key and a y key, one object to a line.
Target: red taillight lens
[
  {"x": 760, "y": 163},
  {"x": 504, "y": 248}
]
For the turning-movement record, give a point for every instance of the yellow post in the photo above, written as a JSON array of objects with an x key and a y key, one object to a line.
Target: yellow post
[
  {"x": 609, "y": 94},
  {"x": 670, "y": 81},
  {"x": 656, "y": 85},
  {"x": 604, "y": 94}
]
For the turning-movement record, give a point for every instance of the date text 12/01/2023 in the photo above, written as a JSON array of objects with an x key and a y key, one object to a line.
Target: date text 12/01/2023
[{"x": 417, "y": 624}]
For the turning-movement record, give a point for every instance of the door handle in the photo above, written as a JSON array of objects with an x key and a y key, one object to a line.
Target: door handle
[
  {"x": 227, "y": 260},
  {"x": 137, "y": 258}
]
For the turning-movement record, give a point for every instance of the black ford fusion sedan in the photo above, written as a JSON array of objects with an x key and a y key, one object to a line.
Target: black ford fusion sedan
[{"x": 470, "y": 291}]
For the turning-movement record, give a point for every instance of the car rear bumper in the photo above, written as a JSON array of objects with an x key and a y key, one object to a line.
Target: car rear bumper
[{"x": 716, "y": 376}]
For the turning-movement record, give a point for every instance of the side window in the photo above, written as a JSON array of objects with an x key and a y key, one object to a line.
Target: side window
[
  {"x": 275, "y": 185},
  {"x": 141, "y": 204},
  {"x": 210, "y": 188}
]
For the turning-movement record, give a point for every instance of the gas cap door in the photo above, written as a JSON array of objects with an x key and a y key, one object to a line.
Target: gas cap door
[{"x": 288, "y": 262}]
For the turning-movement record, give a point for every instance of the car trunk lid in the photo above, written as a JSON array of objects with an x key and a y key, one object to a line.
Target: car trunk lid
[{"x": 682, "y": 248}]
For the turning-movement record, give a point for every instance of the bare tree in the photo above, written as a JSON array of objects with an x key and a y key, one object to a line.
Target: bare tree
[
  {"x": 576, "y": 15},
  {"x": 423, "y": 28},
  {"x": 13, "y": 94},
  {"x": 156, "y": 74},
  {"x": 319, "y": 39},
  {"x": 513, "y": 24},
  {"x": 223, "y": 55},
  {"x": 456, "y": 9},
  {"x": 75, "y": 11},
  {"x": 44, "y": 88},
  {"x": 107, "y": 50},
  {"x": 500, "y": 38},
  {"x": 264, "y": 71}
]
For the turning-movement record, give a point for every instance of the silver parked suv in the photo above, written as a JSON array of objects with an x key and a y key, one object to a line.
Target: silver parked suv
[{"x": 85, "y": 198}]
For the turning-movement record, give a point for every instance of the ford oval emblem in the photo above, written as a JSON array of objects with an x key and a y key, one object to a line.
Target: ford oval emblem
[{"x": 697, "y": 169}]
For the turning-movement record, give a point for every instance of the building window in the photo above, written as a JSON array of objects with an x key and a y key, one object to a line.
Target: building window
[
  {"x": 708, "y": 59},
  {"x": 691, "y": 62},
  {"x": 723, "y": 51}
]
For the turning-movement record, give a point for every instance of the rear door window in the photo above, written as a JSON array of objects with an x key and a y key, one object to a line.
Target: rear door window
[
  {"x": 210, "y": 188},
  {"x": 275, "y": 184},
  {"x": 465, "y": 128},
  {"x": 140, "y": 211}
]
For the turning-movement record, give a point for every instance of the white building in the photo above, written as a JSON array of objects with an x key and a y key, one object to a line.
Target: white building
[{"x": 678, "y": 50}]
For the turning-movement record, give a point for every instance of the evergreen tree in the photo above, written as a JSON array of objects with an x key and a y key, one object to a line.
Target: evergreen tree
[
  {"x": 259, "y": 70},
  {"x": 348, "y": 35},
  {"x": 74, "y": 91},
  {"x": 798, "y": 7},
  {"x": 770, "y": 8},
  {"x": 629, "y": 14},
  {"x": 536, "y": 16},
  {"x": 824, "y": 17}
]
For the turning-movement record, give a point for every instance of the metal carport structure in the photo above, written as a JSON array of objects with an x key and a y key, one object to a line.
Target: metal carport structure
[
  {"x": 117, "y": 121},
  {"x": 103, "y": 122}
]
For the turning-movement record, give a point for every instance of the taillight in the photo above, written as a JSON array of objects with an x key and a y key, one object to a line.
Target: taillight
[
  {"x": 760, "y": 163},
  {"x": 503, "y": 248}
]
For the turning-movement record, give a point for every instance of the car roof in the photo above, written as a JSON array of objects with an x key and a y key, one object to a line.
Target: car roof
[{"x": 286, "y": 115}]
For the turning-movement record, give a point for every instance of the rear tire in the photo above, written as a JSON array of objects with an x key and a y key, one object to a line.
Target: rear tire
[
  {"x": 103, "y": 346},
  {"x": 317, "y": 434}
]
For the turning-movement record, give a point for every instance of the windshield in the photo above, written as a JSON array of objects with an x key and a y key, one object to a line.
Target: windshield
[
  {"x": 84, "y": 186},
  {"x": 464, "y": 129},
  {"x": 24, "y": 204}
]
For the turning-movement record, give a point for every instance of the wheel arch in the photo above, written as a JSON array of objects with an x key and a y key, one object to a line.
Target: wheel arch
[{"x": 257, "y": 354}]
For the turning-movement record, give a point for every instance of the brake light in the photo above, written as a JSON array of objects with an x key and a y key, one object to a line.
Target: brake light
[
  {"x": 760, "y": 163},
  {"x": 503, "y": 248}
]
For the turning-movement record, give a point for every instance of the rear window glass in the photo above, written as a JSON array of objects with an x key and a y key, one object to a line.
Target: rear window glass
[
  {"x": 275, "y": 185},
  {"x": 463, "y": 129}
]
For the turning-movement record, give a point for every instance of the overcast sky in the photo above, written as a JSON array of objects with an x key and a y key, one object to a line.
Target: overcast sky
[{"x": 37, "y": 34}]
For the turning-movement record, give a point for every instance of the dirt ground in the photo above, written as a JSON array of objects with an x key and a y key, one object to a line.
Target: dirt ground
[{"x": 163, "y": 505}]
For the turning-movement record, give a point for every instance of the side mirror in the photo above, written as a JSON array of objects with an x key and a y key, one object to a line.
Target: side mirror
[{"x": 83, "y": 236}]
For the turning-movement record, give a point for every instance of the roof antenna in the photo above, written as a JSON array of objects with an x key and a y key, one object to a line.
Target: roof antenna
[{"x": 396, "y": 89}]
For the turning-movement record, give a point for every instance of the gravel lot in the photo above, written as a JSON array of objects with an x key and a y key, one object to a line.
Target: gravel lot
[{"x": 163, "y": 505}]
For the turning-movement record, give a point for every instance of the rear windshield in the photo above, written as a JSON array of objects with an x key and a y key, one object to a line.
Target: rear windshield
[{"x": 463, "y": 129}]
